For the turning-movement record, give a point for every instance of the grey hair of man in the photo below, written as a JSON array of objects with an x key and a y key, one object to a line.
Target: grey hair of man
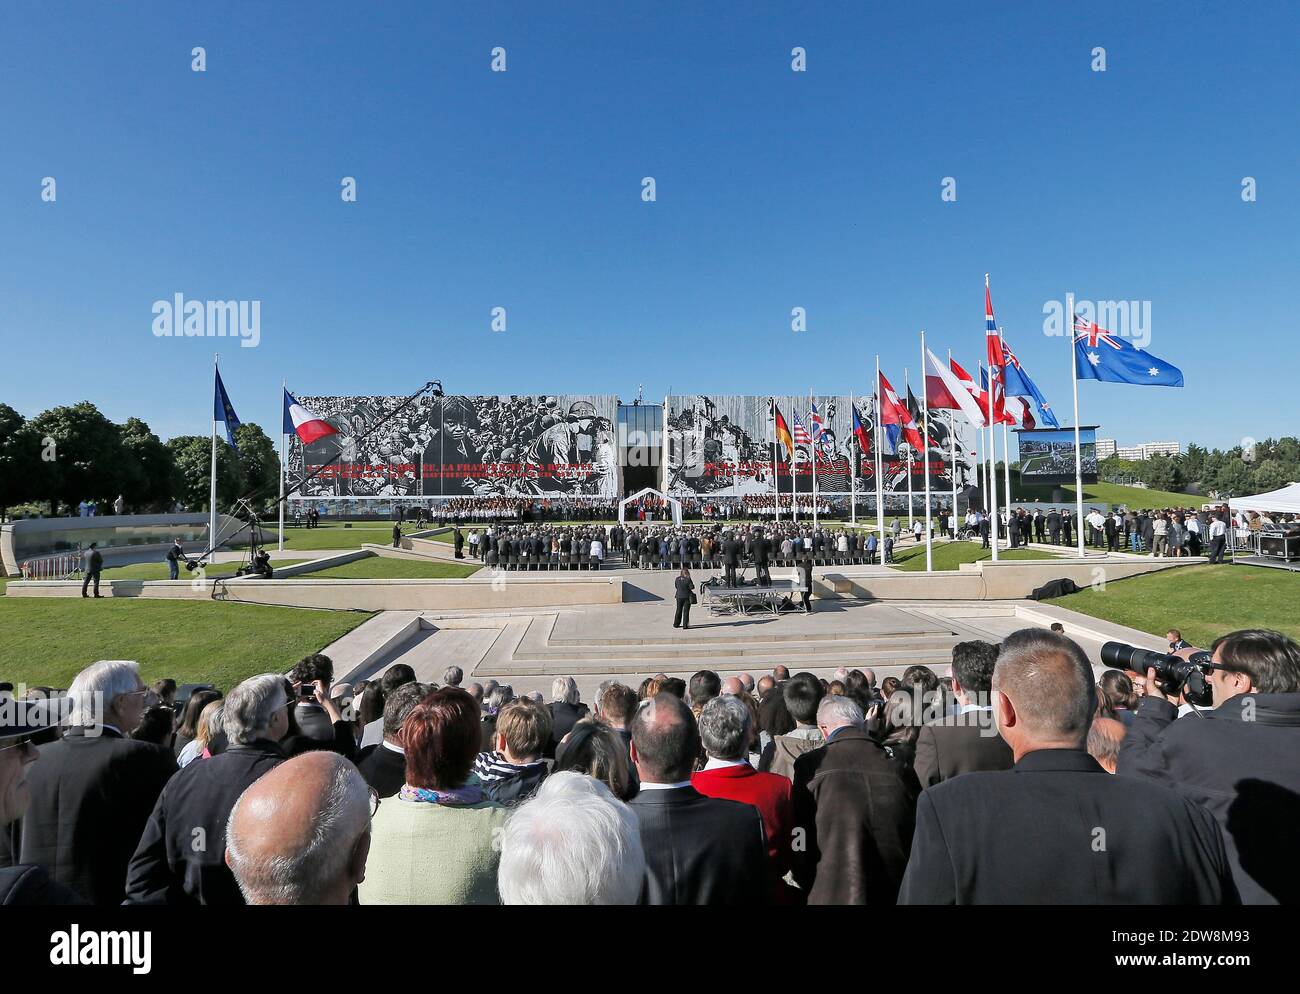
[
  {"x": 94, "y": 689},
  {"x": 248, "y": 709},
  {"x": 725, "y": 727},
  {"x": 499, "y": 696},
  {"x": 564, "y": 690},
  {"x": 836, "y": 711},
  {"x": 301, "y": 873},
  {"x": 400, "y": 703},
  {"x": 452, "y": 676},
  {"x": 573, "y": 842}
]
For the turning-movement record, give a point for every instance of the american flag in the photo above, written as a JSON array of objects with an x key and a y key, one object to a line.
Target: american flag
[
  {"x": 801, "y": 436},
  {"x": 816, "y": 419}
]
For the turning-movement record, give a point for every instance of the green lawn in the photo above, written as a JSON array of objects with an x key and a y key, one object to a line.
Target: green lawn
[
  {"x": 47, "y": 640},
  {"x": 334, "y": 536},
  {"x": 950, "y": 555},
  {"x": 1203, "y": 602},
  {"x": 384, "y": 568},
  {"x": 1110, "y": 493},
  {"x": 158, "y": 571}
]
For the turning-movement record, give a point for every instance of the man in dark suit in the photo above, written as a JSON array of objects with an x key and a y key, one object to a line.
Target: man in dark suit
[
  {"x": 985, "y": 530},
  {"x": 383, "y": 766},
  {"x": 181, "y": 856},
  {"x": 566, "y": 710},
  {"x": 699, "y": 850},
  {"x": 94, "y": 565},
  {"x": 806, "y": 580},
  {"x": 967, "y": 741},
  {"x": 312, "y": 719},
  {"x": 730, "y": 557},
  {"x": 1057, "y": 828},
  {"x": 1054, "y": 526},
  {"x": 855, "y": 810},
  {"x": 762, "y": 550},
  {"x": 93, "y": 789}
]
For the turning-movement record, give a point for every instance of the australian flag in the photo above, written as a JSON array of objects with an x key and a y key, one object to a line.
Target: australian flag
[
  {"x": 224, "y": 412},
  {"x": 1099, "y": 355},
  {"x": 1018, "y": 384}
]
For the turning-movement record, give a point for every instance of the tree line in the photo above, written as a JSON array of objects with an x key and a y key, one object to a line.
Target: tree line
[
  {"x": 52, "y": 462},
  {"x": 1254, "y": 468}
]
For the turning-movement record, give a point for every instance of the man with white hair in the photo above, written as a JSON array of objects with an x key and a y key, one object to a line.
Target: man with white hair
[
  {"x": 173, "y": 864},
  {"x": 92, "y": 790},
  {"x": 301, "y": 834},
  {"x": 573, "y": 842},
  {"x": 452, "y": 676},
  {"x": 856, "y": 810}
]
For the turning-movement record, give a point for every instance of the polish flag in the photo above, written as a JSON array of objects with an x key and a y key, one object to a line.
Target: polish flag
[{"x": 303, "y": 423}]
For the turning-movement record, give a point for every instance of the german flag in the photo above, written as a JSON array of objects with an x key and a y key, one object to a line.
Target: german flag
[{"x": 782, "y": 430}]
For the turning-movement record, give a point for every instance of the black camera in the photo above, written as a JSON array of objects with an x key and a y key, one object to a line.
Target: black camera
[{"x": 1173, "y": 673}]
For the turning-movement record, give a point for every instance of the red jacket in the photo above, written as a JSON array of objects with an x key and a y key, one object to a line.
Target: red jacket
[{"x": 768, "y": 792}]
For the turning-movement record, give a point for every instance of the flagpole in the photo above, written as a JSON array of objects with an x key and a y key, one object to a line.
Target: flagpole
[
  {"x": 907, "y": 387},
  {"x": 1006, "y": 446},
  {"x": 952, "y": 432},
  {"x": 990, "y": 451},
  {"x": 1078, "y": 456},
  {"x": 794, "y": 475},
  {"x": 880, "y": 492},
  {"x": 925, "y": 444},
  {"x": 283, "y": 387},
  {"x": 814, "y": 464},
  {"x": 776, "y": 477},
  {"x": 853, "y": 470},
  {"x": 212, "y": 490}
]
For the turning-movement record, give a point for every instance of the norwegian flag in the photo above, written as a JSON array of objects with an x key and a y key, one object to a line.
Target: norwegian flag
[
  {"x": 895, "y": 419},
  {"x": 996, "y": 359}
]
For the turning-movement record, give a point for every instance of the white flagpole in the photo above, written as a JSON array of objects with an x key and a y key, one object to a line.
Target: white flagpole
[
  {"x": 907, "y": 386},
  {"x": 794, "y": 477},
  {"x": 880, "y": 484},
  {"x": 853, "y": 470},
  {"x": 1006, "y": 449},
  {"x": 212, "y": 491},
  {"x": 925, "y": 443},
  {"x": 1078, "y": 456},
  {"x": 811, "y": 401},
  {"x": 952, "y": 434},
  {"x": 283, "y": 386},
  {"x": 776, "y": 478},
  {"x": 991, "y": 451}
]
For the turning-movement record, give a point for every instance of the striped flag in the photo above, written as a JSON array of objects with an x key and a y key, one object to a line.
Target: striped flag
[
  {"x": 801, "y": 436},
  {"x": 817, "y": 426},
  {"x": 996, "y": 359},
  {"x": 782, "y": 429}
]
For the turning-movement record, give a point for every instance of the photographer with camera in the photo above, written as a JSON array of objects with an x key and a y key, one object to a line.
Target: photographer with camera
[{"x": 1238, "y": 757}]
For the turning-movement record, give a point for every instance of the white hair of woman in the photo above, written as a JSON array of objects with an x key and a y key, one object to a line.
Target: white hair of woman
[
  {"x": 94, "y": 689},
  {"x": 564, "y": 690},
  {"x": 573, "y": 842}
]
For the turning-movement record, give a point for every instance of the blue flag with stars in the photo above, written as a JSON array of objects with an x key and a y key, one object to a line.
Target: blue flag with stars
[
  {"x": 224, "y": 412},
  {"x": 1099, "y": 355}
]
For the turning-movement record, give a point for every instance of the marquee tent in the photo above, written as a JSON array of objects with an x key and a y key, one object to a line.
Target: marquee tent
[{"x": 1284, "y": 501}]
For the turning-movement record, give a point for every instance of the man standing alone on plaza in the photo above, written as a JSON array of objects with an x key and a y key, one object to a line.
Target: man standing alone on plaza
[{"x": 94, "y": 565}]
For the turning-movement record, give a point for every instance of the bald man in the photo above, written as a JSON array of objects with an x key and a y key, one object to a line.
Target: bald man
[
  {"x": 732, "y": 686},
  {"x": 301, "y": 834},
  {"x": 1104, "y": 740}
]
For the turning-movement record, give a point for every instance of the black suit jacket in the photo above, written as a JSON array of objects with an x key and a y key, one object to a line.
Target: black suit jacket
[
  {"x": 957, "y": 745},
  {"x": 173, "y": 864},
  {"x": 701, "y": 850},
  {"x": 563, "y": 718},
  {"x": 91, "y": 797},
  {"x": 383, "y": 769},
  {"x": 1058, "y": 829},
  {"x": 856, "y": 809}
]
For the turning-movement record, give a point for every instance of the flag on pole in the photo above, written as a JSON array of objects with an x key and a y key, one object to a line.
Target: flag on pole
[
  {"x": 224, "y": 413},
  {"x": 859, "y": 432},
  {"x": 782, "y": 430},
  {"x": 996, "y": 358},
  {"x": 817, "y": 426},
  {"x": 981, "y": 396},
  {"x": 896, "y": 420},
  {"x": 1018, "y": 384},
  {"x": 1018, "y": 410},
  {"x": 303, "y": 423},
  {"x": 1005, "y": 417},
  {"x": 801, "y": 436},
  {"x": 918, "y": 416},
  {"x": 946, "y": 389},
  {"x": 1099, "y": 355}
]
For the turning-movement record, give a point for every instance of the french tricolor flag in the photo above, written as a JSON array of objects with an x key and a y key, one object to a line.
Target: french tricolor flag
[{"x": 303, "y": 423}]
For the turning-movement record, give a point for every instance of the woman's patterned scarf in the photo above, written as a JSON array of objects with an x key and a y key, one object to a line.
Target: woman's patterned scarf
[{"x": 470, "y": 792}]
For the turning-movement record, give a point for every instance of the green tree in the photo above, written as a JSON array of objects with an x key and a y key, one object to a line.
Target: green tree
[
  {"x": 15, "y": 460},
  {"x": 1161, "y": 473},
  {"x": 1271, "y": 474},
  {"x": 88, "y": 459},
  {"x": 260, "y": 464},
  {"x": 193, "y": 460},
  {"x": 152, "y": 482},
  {"x": 1234, "y": 477}
]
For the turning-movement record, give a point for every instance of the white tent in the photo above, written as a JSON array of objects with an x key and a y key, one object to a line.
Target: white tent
[{"x": 1284, "y": 501}]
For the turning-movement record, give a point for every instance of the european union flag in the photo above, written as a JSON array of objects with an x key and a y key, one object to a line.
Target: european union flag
[
  {"x": 224, "y": 412},
  {"x": 1099, "y": 355}
]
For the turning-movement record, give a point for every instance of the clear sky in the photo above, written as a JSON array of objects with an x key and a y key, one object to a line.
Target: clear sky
[{"x": 775, "y": 189}]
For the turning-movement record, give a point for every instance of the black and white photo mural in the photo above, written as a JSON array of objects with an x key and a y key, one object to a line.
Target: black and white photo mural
[{"x": 536, "y": 445}]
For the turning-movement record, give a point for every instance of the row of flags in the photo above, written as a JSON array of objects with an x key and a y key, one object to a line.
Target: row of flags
[{"x": 298, "y": 420}]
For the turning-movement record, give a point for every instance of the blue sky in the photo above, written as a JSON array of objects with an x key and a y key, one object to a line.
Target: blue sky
[{"x": 522, "y": 190}]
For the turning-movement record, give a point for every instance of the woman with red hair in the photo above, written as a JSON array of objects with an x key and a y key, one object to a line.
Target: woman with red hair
[{"x": 435, "y": 842}]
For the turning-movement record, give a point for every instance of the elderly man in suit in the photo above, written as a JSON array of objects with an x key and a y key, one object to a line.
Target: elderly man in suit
[
  {"x": 168, "y": 867},
  {"x": 1056, "y": 828},
  {"x": 93, "y": 789},
  {"x": 383, "y": 765},
  {"x": 855, "y": 809},
  {"x": 967, "y": 741},
  {"x": 699, "y": 850}
]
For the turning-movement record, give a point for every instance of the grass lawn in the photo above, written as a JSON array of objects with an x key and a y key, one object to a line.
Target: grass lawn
[
  {"x": 47, "y": 640},
  {"x": 158, "y": 571},
  {"x": 384, "y": 568},
  {"x": 950, "y": 555},
  {"x": 1111, "y": 493},
  {"x": 1203, "y": 602},
  {"x": 334, "y": 536}
]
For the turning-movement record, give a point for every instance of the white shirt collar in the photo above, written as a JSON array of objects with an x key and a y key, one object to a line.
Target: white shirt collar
[
  {"x": 664, "y": 786},
  {"x": 718, "y": 764},
  {"x": 397, "y": 749}
]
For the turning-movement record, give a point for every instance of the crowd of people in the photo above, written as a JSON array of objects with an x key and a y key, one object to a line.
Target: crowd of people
[{"x": 1015, "y": 778}]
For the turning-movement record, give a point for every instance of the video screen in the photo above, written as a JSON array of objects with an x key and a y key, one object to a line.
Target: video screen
[{"x": 1048, "y": 456}]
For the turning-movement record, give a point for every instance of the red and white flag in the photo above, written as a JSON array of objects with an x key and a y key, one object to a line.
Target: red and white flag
[
  {"x": 302, "y": 422},
  {"x": 997, "y": 384}
]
